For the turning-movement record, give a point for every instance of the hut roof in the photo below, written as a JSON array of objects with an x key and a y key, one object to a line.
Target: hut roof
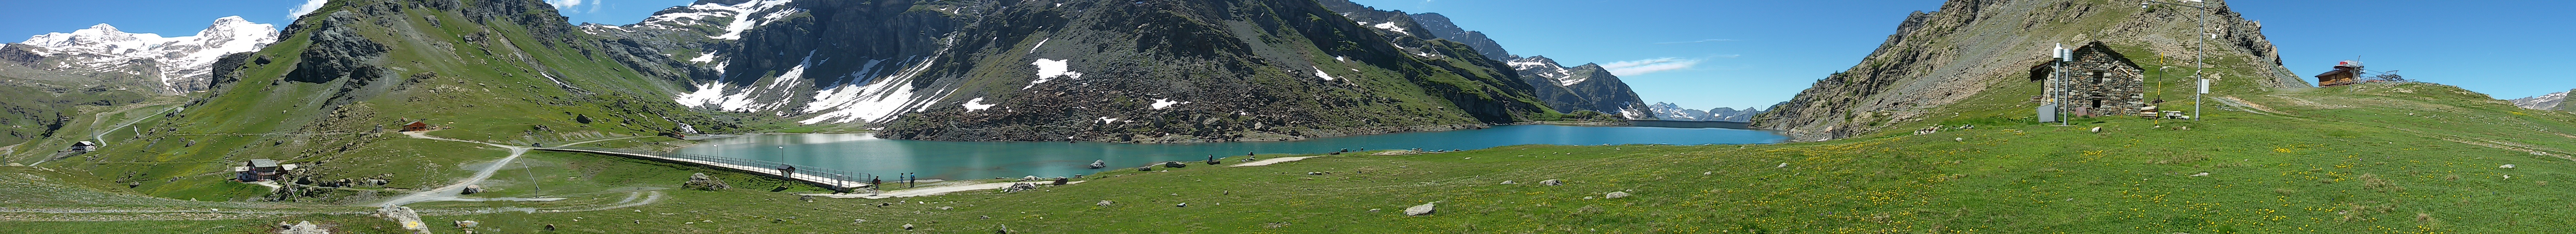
[
  {"x": 416, "y": 123},
  {"x": 263, "y": 163},
  {"x": 85, "y": 143},
  {"x": 2041, "y": 70}
]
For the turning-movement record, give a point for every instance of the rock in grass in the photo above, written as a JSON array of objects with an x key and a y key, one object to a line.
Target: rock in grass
[
  {"x": 1552, "y": 182},
  {"x": 907, "y": 226},
  {"x": 2506, "y": 166},
  {"x": 1106, "y": 203},
  {"x": 701, "y": 181},
  {"x": 1420, "y": 210},
  {"x": 1509, "y": 182},
  {"x": 1615, "y": 195},
  {"x": 301, "y": 227}
]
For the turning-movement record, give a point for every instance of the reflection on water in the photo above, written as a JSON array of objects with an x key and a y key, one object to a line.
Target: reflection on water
[{"x": 974, "y": 160}]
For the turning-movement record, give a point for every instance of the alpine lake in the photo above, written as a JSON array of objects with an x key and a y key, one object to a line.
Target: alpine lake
[{"x": 978, "y": 160}]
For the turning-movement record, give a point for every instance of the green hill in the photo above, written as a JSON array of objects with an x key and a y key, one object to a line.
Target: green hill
[
  {"x": 2266, "y": 158},
  {"x": 330, "y": 95}
]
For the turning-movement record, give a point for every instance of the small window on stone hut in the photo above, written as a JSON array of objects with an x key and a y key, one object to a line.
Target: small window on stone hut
[{"x": 2098, "y": 78}]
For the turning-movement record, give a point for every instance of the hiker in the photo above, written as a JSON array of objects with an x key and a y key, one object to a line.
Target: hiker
[{"x": 1212, "y": 159}]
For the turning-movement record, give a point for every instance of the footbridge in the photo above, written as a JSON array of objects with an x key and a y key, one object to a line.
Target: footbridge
[{"x": 837, "y": 180}]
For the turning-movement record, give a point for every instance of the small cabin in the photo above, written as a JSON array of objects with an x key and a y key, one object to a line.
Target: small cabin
[
  {"x": 415, "y": 126},
  {"x": 2344, "y": 73},
  {"x": 261, "y": 170},
  {"x": 2098, "y": 81},
  {"x": 83, "y": 146}
]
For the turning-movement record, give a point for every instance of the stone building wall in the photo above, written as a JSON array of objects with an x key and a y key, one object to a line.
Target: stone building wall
[{"x": 2104, "y": 81}]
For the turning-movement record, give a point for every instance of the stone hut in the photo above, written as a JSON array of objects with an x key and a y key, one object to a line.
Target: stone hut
[
  {"x": 83, "y": 146},
  {"x": 2099, "y": 81},
  {"x": 261, "y": 170}
]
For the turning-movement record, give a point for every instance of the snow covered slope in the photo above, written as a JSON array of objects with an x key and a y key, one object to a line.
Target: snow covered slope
[{"x": 168, "y": 64}]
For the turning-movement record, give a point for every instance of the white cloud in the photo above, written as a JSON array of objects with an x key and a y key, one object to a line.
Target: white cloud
[
  {"x": 1640, "y": 67},
  {"x": 571, "y": 6},
  {"x": 307, "y": 8}
]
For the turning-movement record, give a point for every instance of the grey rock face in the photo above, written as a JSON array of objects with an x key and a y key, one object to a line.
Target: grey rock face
[{"x": 337, "y": 51}]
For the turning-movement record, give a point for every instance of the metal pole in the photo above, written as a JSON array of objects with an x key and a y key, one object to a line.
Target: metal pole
[{"x": 2201, "y": 52}]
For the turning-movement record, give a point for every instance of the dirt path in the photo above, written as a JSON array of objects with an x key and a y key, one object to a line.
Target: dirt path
[
  {"x": 929, "y": 191},
  {"x": 449, "y": 192},
  {"x": 1266, "y": 162}
]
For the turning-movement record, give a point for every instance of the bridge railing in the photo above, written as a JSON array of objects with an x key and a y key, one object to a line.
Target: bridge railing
[{"x": 801, "y": 170}]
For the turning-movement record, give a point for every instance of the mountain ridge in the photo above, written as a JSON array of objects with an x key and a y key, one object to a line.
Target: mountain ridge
[{"x": 170, "y": 65}]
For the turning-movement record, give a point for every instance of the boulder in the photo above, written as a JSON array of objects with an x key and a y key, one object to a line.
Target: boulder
[
  {"x": 1420, "y": 210},
  {"x": 1105, "y": 203},
  {"x": 1552, "y": 182},
  {"x": 907, "y": 226},
  {"x": 1175, "y": 164},
  {"x": 1097, "y": 164},
  {"x": 1509, "y": 182},
  {"x": 301, "y": 227},
  {"x": 701, "y": 181},
  {"x": 1614, "y": 195},
  {"x": 472, "y": 189},
  {"x": 404, "y": 216},
  {"x": 1145, "y": 168}
]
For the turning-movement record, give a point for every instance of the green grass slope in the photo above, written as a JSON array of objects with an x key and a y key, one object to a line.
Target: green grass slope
[{"x": 491, "y": 71}]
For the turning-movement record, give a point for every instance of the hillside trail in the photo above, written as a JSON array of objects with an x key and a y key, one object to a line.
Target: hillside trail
[
  {"x": 101, "y": 135},
  {"x": 452, "y": 191}
]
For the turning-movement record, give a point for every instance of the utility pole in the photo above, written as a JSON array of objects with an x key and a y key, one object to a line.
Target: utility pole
[{"x": 2200, "y": 50}]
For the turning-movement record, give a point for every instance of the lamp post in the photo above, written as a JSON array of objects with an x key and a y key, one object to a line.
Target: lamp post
[{"x": 2200, "y": 50}]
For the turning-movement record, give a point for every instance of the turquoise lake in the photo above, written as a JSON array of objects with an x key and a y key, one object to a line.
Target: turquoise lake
[{"x": 976, "y": 160}]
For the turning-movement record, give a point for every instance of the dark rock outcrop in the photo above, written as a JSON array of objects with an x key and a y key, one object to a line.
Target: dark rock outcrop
[{"x": 337, "y": 51}]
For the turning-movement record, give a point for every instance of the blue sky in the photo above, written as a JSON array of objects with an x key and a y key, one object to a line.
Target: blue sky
[{"x": 1729, "y": 53}]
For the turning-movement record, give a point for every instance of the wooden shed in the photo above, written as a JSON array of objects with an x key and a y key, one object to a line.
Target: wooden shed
[
  {"x": 416, "y": 126},
  {"x": 2344, "y": 73}
]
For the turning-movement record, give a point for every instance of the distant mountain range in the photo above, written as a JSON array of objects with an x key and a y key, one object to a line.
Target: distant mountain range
[
  {"x": 1674, "y": 112},
  {"x": 1566, "y": 89},
  {"x": 147, "y": 61},
  {"x": 2552, "y": 101}
]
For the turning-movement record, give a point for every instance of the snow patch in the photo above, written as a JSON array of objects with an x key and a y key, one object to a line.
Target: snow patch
[
  {"x": 1319, "y": 73},
  {"x": 976, "y": 105},
  {"x": 741, "y": 13},
  {"x": 1391, "y": 27},
  {"x": 1049, "y": 69},
  {"x": 1160, "y": 103},
  {"x": 707, "y": 93},
  {"x": 703, "y": 58},
  {"x": 872, "y": 101},
  {"x": 1108, "y": 120}
]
